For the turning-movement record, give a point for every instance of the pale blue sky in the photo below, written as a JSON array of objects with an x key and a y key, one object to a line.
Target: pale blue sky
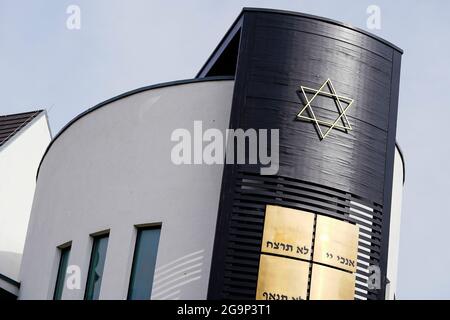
[{"x": 123, "y": 45}]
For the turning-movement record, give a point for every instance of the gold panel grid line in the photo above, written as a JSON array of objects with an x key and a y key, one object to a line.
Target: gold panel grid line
[
  {"x": 331, "y": 284},
  {"x": 323, "y": 269},
  {"x": 282, "y": 278}
]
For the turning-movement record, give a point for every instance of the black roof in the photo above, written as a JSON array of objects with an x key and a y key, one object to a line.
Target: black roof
[{"x": 11, "y": 124}]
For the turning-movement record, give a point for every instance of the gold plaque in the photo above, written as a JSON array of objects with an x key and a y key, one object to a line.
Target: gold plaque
[
  {"x": 331, "y": 284},
  {"x": 288, "y": 232},
  {"x": 282, "y": 278},
  {"x": 336, "y": 243}
]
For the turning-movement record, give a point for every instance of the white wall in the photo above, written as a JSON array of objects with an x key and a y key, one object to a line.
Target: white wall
[
  {"x": 112, "y": 170},
  {"x": 394, "y": 230},
  {"x": 19, "y": 160}
]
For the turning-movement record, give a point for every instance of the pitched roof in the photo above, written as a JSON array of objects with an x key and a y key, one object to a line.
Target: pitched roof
[{"x": 11, "y": 124}]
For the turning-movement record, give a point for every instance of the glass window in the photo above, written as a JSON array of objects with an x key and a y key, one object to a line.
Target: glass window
[
  {"x": 96, "y": 266},
  {"x": 144, "y": 261},
  {"x": 62, "y": 271}
]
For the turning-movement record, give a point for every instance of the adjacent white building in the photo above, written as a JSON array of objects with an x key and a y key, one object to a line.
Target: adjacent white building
[{"x": 23, "y": 140}]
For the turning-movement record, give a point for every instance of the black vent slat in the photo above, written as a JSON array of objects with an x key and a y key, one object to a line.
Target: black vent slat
[{"x": 253, "y": 192}]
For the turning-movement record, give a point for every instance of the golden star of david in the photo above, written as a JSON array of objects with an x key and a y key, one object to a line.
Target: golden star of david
[{"x": 337, "y": 98}]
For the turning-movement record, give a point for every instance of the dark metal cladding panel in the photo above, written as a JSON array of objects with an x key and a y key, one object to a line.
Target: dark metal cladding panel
[
  {"x": 278, "y": 53},
  {"x": 281, "y": 60},
  {"x": 304, "y": 24},
  {"x": 351, "y": 162}
]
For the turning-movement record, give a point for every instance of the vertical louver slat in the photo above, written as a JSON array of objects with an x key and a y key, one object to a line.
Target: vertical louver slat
[{"x": 251, "y": 195}]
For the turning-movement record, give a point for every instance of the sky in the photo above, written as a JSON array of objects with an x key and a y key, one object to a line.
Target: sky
[{"x": 123, "y": 45}]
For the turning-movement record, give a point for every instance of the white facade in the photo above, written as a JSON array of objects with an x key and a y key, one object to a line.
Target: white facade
[
  {"x": 394, "y": 230},
  {"x": 19, "y": 160},
  {"x": 111, "y": 170}
]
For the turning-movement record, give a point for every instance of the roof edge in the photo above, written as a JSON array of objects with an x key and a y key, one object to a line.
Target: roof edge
[
  {"x": 124, "y": 95},
  {"x": 237, "y": 21},
  {"x": 328, "y": 20},
  {"x": 34, "y": 117},
  {"x": 19, "y": 113},
  {"x": 239, "y": 18}
]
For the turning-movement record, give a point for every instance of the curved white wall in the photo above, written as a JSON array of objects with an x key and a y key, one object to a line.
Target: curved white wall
[
  {"x": 111, "y": 169},
  {"x": 394, "y": 230}
]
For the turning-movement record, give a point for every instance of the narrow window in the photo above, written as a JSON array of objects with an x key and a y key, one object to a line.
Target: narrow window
[
  {"x": 96, "y": 266},
  {"x": 62, "y": 271},
  {"x": 143, "y": 269}
]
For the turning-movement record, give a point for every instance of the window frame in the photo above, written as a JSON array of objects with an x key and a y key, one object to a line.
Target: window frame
[
  {"x": 138, "y": 230},
  {"x": 62, "y": 249},
  {"x": 94, "y": 238}
]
